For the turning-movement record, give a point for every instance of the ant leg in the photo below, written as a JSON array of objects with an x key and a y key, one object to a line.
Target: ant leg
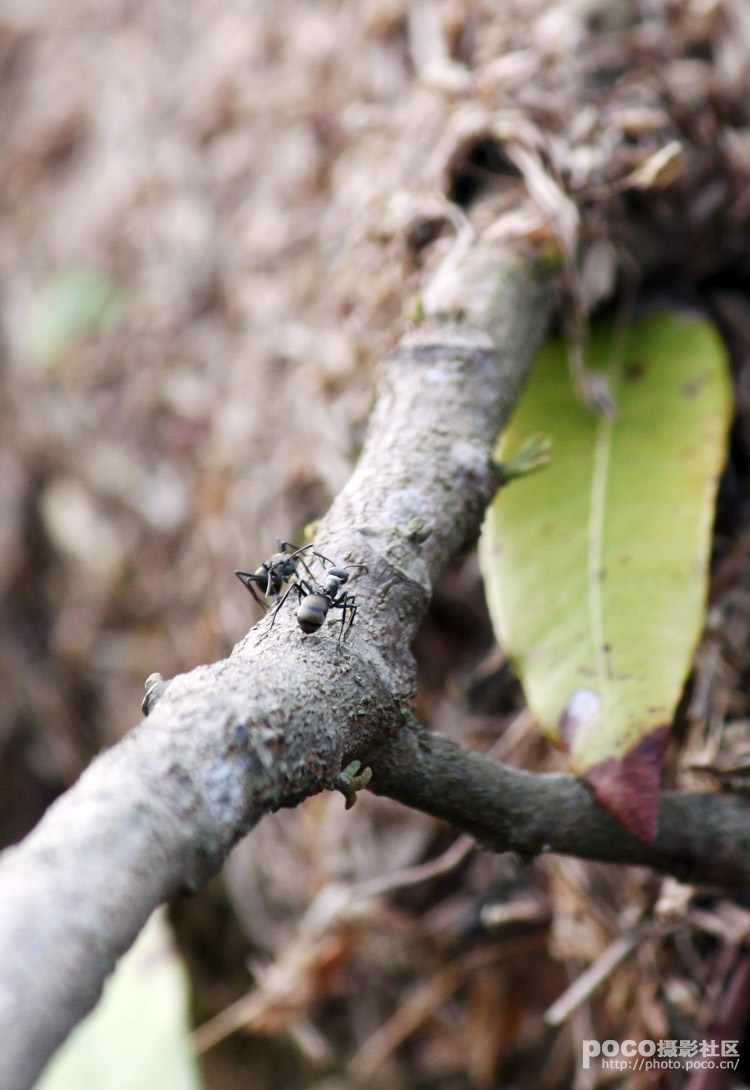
[
  {"x": 297, "y": 555},
  {"x": 294, "y": 586},
  {"x": 295, "y": 552},
  {"x": 353, "y": 607},
  {"x": 302, "y": 588},
  {"x": 307, "y": 569},
  {"x": 247, "y": 579},
  {"x": 269, "y": 585},
  {"x": 290, "y": 549},
  {"x": 362, "y": 567},
  {"x": 347, "y": 603},
  {"x": 320, "y": 556},
  {"x": 342, "y": 606}
]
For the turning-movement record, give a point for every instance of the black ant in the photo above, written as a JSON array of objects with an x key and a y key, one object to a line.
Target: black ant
[
  {"x": 279, "y": 569},
  {"x": 315, "y": 600}
]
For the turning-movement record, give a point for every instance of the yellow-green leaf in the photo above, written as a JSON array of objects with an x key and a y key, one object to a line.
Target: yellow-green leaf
[
  {"x": 138, "y": 1035},
  {"x": 596, "y": 566}
]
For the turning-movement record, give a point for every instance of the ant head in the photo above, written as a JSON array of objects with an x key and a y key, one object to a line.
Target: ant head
[{"x": 341, "y": 575}]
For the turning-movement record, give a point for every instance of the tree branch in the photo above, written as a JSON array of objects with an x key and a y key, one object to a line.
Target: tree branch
[
  {"x": 275, "y": 721},
  {"x": 703, "y": 839}
]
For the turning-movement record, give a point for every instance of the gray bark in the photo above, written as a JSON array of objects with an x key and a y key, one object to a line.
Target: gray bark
[
  {"x": 277, "y": 720},
  {"x": 703, "y": 839}
]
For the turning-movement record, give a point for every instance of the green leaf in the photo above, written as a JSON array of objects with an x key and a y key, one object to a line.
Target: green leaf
[
  {"x": 596, "y": 567},
  {"x": 74, "y": 303},
  {"x": 137, "y": 1037}
]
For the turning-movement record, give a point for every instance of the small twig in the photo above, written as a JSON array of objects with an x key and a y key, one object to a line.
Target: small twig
[
  {"x": 592, "y": 978},
  {"x": 426, "y": 999},
  {"x": 461, "y": 848},
  {"x": 422, "y": 872}
]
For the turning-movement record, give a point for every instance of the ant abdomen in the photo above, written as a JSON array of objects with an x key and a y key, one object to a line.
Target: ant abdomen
[{"x": 312, "y": 612}]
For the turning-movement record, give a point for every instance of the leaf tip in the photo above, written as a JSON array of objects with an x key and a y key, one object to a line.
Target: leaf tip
[
  {"x": 533, "y": 454},
  {"x": 628, "y": 786}
]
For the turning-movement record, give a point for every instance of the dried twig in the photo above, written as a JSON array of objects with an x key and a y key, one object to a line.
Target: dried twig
[{"x": 427, "y": 998}]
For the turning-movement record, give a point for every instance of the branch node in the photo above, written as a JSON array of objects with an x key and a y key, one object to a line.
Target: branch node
[
  {"x": 350, "y": 780},
  {"x": 155, "y": 687}
]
